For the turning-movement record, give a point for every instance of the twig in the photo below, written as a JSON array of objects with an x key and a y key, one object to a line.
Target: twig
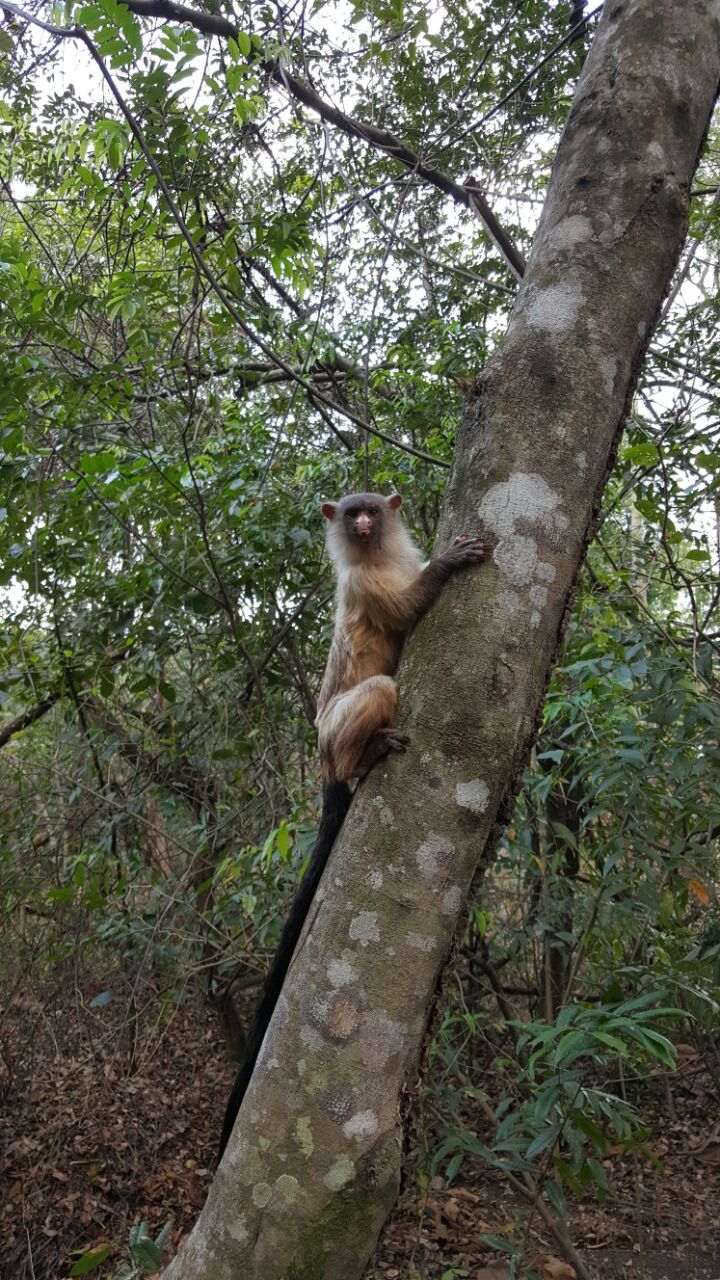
[
  {"x": 79, "y": 33},
  {"x": 384, "y": 141}
]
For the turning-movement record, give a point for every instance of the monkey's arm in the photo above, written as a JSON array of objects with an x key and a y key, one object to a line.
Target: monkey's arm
[{"x": 417, "y": 598}]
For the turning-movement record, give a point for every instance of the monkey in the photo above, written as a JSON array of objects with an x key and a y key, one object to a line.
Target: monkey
[{"x": 383, "y": 588}]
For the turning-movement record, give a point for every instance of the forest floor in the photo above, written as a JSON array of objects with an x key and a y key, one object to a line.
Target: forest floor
[{"x": 98, "y": 1132}]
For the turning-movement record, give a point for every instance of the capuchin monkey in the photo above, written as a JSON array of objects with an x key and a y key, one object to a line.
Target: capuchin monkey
[{"x": 382, "y": 589}]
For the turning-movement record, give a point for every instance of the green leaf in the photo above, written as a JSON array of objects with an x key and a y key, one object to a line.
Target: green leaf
[
  {"x": 542, "y": 1142},
  {"x": 64, "y": 894},
  {"x": 146, "y": 1253},
  {"x": 565, "y": 834},
  {"x": 283, "y": 841},
  {"x": 643, "y": 454},
  {"x": 91, "y": 1260},
  {"x": 556, "y": 1198}
]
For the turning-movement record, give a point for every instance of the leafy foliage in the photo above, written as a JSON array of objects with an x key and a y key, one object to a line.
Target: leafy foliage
[{"x": 217, "y": 308}]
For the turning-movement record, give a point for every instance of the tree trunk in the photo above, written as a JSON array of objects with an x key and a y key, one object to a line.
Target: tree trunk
[{"x": 313, "y": 1167}]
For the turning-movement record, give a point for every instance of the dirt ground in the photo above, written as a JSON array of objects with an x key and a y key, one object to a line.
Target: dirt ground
[{"x": 100, "y": 1130}]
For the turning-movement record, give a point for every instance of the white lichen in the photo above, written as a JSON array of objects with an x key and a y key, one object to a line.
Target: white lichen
[
  {"x": 545, "y": 571},
  {"x": 571, "y": 231},
  {"x": 510, "y": 603},
  {"x": 288, "y": 1188},
  {"x": 430, "y": 851},
  {"x": 525, "y": 498},
  {"x": 341, "y": 973},
  {"x": 473, "y": 795},
  {"x": 517, "y": 556},
  {"x": 363, "y": 928},
  {"x": 235, "y": 1227},
  {"x": 380, "y": 1038},
  {"x": 556, "y": 308},
  {"x": 420, "y": 942},
  {"x": 261, "y": 1194},
  {"x": 452, "y": 900},
  {"x": 608, "y": 371},
  {"x": 362, "y": 1125}
]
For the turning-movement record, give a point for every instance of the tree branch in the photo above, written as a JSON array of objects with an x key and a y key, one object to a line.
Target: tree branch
[
  {"x": 381, "y": 139},
  {"x": 24, "y": 719}
]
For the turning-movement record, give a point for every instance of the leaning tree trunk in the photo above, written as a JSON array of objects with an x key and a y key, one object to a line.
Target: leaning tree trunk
[{"x": 312, "y": 1169}]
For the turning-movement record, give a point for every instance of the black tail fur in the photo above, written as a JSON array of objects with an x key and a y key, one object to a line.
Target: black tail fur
[{"x": 336, "y": 802}]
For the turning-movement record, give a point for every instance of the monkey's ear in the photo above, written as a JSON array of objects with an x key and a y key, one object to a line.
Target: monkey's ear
[
  {"x": 395, "y": 501},
  {"x": 328, "y": 510}
]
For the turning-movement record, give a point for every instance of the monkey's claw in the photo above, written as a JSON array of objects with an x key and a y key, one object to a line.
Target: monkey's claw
[
  {"x": 394, "y": 740},
  {"x": 470, "y": 548}
]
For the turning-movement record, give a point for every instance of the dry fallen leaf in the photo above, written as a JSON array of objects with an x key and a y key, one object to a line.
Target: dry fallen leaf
[
  {"x": 556, "y": 1269},
  {"x": 700, "y": 892},
  {"x": 710, "y": 1154}
]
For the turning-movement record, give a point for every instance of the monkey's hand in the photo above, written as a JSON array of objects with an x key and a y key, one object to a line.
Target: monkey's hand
[{"x": 466, "y": 550}]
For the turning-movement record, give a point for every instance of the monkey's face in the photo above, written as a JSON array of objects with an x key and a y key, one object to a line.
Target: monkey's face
[
  {"x": 359, "y": 518},
  {"x": 363, "y": 524}
]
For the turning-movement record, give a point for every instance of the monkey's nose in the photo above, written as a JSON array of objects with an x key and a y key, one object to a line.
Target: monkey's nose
[{"x": 364, "y": 526}]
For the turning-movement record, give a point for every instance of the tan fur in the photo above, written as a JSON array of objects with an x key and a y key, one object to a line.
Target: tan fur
[
  {"x": 382, "y": 589},
  {"x": 358, "y": 697},
  {"x": 349, "y": 721}
]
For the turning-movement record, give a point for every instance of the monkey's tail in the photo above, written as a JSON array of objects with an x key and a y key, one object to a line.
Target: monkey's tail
[{"x": 336, "y": 802}]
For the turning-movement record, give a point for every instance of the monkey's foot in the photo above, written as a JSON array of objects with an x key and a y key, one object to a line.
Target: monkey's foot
[
  {"x": 392, "y": 739},
  {"x": 382, "y": 742}
]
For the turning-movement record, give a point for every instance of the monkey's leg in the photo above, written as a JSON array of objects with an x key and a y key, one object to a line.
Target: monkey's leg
[
  {"x": 352, "y": 721},
  {"x": 382, "y": 742}
]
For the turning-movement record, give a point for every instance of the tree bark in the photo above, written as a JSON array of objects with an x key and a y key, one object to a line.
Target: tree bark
[{"x": 313, "y": 1167}]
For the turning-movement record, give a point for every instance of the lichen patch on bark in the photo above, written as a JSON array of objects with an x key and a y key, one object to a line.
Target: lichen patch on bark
[
  {"x": 430, "y": 852},
  {"x": 261, "y": 1194},
  {"x": 473, "y": 795},
  {"x": 340, "y": 973},
  {"x": 363, "y": 928},
  {"x": 420, "y": 942},
  {"x": 362, "y": 1125},
  {"x": 304, "y": 1136},
  {"x": 340, "y": 1173},
  {"x": 555, "y": 309}
]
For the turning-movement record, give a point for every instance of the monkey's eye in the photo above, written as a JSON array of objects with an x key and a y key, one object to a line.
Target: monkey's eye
[{"x": 372, "y": 511}]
